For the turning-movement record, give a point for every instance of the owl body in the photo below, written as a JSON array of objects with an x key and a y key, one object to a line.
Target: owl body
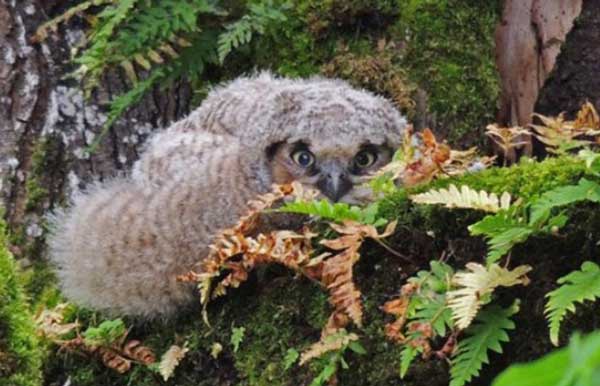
[{"x": 121, "y": 244}]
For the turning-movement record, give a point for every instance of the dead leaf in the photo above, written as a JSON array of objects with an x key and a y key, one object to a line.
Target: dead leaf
[
  {"x": 170, "y": 360},
  {"x": 332, "y": 342},
  {"x": 114, "y": 361},
  {"x": 136, "y": 351}
]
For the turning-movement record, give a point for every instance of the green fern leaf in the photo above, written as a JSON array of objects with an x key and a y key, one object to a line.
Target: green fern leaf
[
  {"x": 407, "y": 356},
  {"x": 237, "y": 337},
  {"x": 578, "y": 364},
  {"x": 124, "y": 101},
  {"x": 236, "y": 34},
  {"x": 107, "y": 333},
  {"x": 428, "y": 304},
  {"x": 576, "y": 287},
  {"x": 324, "y": 209},
  {"x": 242, "y": 31},
  {"x": 291, "y": 357},
  {"x": 488, "y": 334},
  {"x": 338, "y": 211},
  {"x": 503, "y": 231},
  {"x": 42, "y": 32},
  {"x": 500, "y": 244},
  {"x": 434, "y": 310},
  {"x": 563, "y": 195}
]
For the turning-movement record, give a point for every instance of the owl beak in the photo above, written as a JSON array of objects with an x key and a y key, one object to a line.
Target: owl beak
[{"x": 334, "y": 181}]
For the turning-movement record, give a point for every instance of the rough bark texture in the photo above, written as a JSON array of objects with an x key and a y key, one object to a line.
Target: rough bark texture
[
  {"x": 46, "y": 123},
  {"x": 575, "y": 78},
  {"x": 22, "y": 106}
]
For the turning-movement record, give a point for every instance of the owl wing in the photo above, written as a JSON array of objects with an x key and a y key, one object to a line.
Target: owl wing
[
  {"x": 122, "y": 243},
  {"x": 171, "y": 155}
]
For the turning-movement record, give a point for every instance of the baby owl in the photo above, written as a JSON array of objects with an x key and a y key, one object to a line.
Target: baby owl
[{"x": 122, "y": 243}]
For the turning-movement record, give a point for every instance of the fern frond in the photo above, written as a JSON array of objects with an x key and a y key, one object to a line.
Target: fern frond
[
  {"x": 241, "y": 31},
  {"x": 338, "y": 211},
  {"x": 503, "y": 231},
  {"x": 434, "y": 310},
  {"x": 502, "y": 243},
  {"x": 464, "y": 198},
  {"x": 94, "y": 59},
  {"x": 170, "y": 360},
  {"x": 407, "y": 356},
  {"x": 124, "y": 101},
  {"x": 337, "y": 341},
  {"x": 563, "y": 195},
  {"x": 476, "y": 285},
  {"x": 52, "y": 26},
  {"x": 576, "y": 364},
  {"x": 576, "y": 287},
  {"x": 428, "y": 304},
  {"x": 235, "y": 35},
  {"x": 487, "y": 334}
]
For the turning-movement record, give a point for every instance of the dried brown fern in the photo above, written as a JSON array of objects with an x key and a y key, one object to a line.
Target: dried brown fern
[
  {"x": 117, "y": 355},
  {"x": 234, "y": 254},
  {"x": 425, "y": 159},
  {"x": 560, "y": 135}
]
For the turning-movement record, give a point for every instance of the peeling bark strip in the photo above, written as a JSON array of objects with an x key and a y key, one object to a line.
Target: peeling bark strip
[
  {"x": 45, "y": 122},
  {"x": 528, "y": 40},
  {"x": 576, "y": 76}
]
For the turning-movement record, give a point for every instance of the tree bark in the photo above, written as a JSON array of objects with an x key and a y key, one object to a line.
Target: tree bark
[
  {"x": 46, "y": 123},
  {"x": 528, "y": 40},
  {"x": 575, "y": 77}
]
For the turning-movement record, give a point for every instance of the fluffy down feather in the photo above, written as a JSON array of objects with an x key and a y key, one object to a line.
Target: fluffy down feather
[{"x": 121, "y": 244}]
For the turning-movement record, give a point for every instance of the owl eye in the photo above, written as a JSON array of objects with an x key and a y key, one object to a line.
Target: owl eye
[
  {"x": 303, "y": 158},
  {"x": 365, "y": 158}
]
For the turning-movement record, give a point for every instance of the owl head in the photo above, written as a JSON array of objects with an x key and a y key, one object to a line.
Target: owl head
[
  {"x": 333, "y": 167},
  {"x": 326, "y": 135}
]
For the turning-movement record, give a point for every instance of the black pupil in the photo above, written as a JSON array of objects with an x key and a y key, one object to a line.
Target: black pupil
[
  {"x": 362, "y": 159},
  {"x": 304, "y": 159}
]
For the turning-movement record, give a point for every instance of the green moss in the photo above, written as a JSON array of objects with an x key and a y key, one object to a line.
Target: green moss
[
  {"x": 523, "y": 180},
  {"x": 377, "y": 69},
  {"x": 526, "y": 179},
  {"x": 37, "y": 194},
  {"x": 20, "y": 354},
  {"x": 278, "y": 317},
  {"x": 39, "y": 283},
  {"x": 291, "y": 49},
  {"x": 331, "y": 16},
  {"x": 450, "y": 54}
]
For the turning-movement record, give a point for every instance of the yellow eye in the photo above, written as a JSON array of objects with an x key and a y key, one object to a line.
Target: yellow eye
[
  {"x": 364, "y": 159},
  {"x": 303, "y": 158}
]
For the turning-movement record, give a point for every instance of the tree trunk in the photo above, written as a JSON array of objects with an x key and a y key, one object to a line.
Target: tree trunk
[
  {"x": 46, "y": 123},
  {"x": 575, "y": 77},
  {"x": 528, "y": 40}
]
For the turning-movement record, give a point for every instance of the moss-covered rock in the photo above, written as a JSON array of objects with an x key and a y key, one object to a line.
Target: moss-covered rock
[
  {"x": 450, "y": 54},
  {"x": 20, "y": 353},
  {"x": 524, "y": 180},
  {"x": 280, "y": 312}
]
